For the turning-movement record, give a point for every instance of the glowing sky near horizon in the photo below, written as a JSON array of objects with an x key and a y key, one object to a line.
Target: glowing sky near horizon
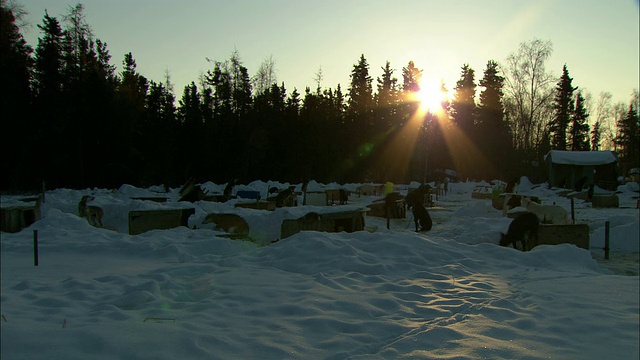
[{"x": 598, "y": 40}]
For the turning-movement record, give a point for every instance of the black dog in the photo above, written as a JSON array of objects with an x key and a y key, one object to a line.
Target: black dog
[
  {"x": 524, "y": 227},
  {"x": 421, "y": 216}
]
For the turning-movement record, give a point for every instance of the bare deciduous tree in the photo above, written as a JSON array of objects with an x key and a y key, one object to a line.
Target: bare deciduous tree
[
  {"x": 601, "y": 111},
  {"x": 529, "y": 93},
  {"x": 265, "y": 76}
]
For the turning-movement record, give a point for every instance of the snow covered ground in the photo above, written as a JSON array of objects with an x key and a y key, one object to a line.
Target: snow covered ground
[{"x": 376, "y": 294}]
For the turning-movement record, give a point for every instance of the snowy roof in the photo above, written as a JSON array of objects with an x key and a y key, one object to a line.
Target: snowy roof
[{"x": 581, "y": 157}]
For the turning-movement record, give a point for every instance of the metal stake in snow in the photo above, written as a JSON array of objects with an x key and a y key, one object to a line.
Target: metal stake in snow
[
  {"x": 35, "y": 247},
  {"x": 573, "y": 213},
  {"x": 606, "y": 240}
]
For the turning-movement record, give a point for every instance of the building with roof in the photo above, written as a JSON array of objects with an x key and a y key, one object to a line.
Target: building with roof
[{"x": 566, "y": 169}]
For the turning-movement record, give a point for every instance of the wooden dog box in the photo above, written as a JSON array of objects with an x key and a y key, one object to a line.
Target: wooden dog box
[
  {"x": 144, "y": 220},
  {"x": 377, "y": 209},
  {"x": 605, "y": 201},
  {"x": 157, "y": 199},
  {"x": 348, "y": 221},
  {"x": 370, "y": 190},
  {"x": 15, "y": 218},
  {"x": 258, "y": 205},
  {"x": 248, "y": 194},
  {"x": 577, "y": 234}
]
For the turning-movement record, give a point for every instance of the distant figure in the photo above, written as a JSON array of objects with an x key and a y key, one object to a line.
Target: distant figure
[
  {"x": 590, "y": 192},
  {"x": 344, "y": 196},
  {"x": 303, "y": 188},
  {"x": 579, "y": 185}
]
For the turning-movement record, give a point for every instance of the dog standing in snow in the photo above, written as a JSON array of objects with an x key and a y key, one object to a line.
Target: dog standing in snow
[{"x": 93, "y": 214}]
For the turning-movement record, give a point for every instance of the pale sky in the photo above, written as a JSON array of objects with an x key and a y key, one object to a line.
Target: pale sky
[{"x": 597, "y": 39}]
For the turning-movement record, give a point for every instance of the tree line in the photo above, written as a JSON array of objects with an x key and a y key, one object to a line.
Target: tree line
[{"x": 71, "y": 120}]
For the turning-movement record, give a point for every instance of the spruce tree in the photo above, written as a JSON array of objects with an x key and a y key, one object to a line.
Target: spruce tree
[
  {"x": 463, "y": 115},
  {"x": 360, "y": 95},
  {"x": 129, "y": 125},
  {"x": 579, "y": 129},
  {"x": 628, "y": 139},
  {"x": 596, "y": 136},
  {"x": 411, "y": 77},
  {"x": 386, "y": 98},
  {"x": 16, "y": 66},
  {"x": 49, "y": 102},
  {"x": 564, "y": 108},
  {"x": 360, "y": 116},
  {"x": 494, "y": 136}
]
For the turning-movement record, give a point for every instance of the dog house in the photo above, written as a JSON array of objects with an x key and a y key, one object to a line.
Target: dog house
[
  {"x": 397, "y": 208},
  {"x": 370, "y": 190},
  {"x": 20, "y": 215},
  {"x": 144, "y": 220},
  {"x": 347, "y": 221},
  {"x": 566, "y": 168},
  {"x": 576, "y": 234}
]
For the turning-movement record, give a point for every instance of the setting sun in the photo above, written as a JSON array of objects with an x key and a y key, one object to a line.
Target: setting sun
[{"x": 431, "y": 96}]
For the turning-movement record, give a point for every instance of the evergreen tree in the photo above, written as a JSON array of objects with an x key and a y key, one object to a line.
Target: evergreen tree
[
  {"x": 579, "y": 130},
  {"x": 564, "y": 108},
  {"x": 360, "y": 103},
  {"x": 387, "y": 99},
  {"x": 463, "y": 115},
  {"x": 360, "y": 125},
  {"x": 494, "y": 136},
  {"x": 129, "y": 124},
  {"x": 411, "y": 77},
  {"x": 159, "y": 150},
  {"x": 89, "y": 86},
  {"x": 16, "y": 65},
  {"x": 596, "y": 136},
  {"x": 628, "y": 139},
  {"x": 49, "y": 102},
  {"x": 463, "y": 106},
  {"x": 191, "y": 134}
]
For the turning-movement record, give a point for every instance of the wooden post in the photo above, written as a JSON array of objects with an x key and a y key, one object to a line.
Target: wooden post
[
  {"x": 606, "y": 240},
  {"x": 573, "y": 213},
  {"x": 35, "y": 247}
]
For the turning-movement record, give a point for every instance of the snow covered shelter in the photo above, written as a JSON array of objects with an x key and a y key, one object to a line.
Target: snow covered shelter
[{"x": 566, "y": 168}]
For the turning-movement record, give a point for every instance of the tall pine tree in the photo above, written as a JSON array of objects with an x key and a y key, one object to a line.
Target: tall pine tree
[
  {"x": 628, "y": 139},
  {"x": 564, "y": 108},
  {"x": 494, "y": 136},
  {"x": 360, "y": 127},
  {"x": 579, "y": 129},
  {"x": 16, "y": 65},
  {"x": 463, "y": 115}
]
